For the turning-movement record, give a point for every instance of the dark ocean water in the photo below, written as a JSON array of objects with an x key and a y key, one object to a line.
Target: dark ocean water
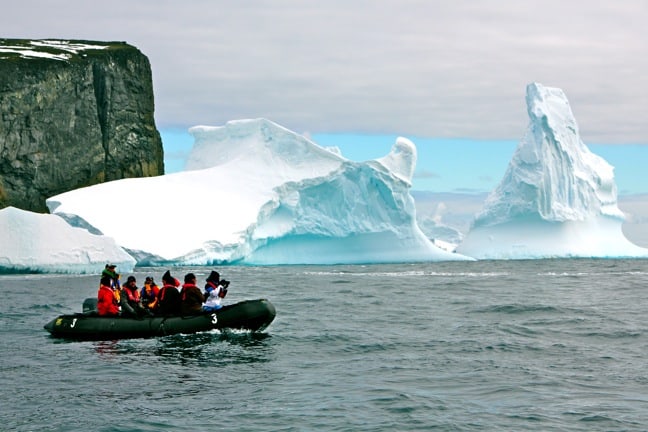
[{"x": 522, "y": 345}]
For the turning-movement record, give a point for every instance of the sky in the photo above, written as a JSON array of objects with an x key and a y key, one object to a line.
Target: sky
[
  {"x": 454, "y": 72},
  {"x": 444, "y": 164}
]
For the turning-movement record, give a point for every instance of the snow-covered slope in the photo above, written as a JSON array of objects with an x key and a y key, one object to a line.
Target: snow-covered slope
[
  {"x": 46, "y": 243},
  {"x": 256, "y": 192}
]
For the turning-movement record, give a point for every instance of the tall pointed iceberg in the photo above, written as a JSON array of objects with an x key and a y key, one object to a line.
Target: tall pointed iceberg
[{"x": 557, "y": 199}]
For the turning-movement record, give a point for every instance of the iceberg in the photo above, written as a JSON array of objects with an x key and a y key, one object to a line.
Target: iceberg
[
  {"x": 437, "y": 230},
  {"x": 33, "y": 242},
  {"x": 254, "y": 192},
  {"x": 557, "y": 199}
]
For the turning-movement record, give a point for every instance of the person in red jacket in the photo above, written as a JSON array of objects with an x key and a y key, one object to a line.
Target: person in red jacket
[{"x": 107, "y": 302}]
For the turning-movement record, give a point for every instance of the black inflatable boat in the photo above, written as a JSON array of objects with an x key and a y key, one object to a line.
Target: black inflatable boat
[{"x": 250, "y": 315}]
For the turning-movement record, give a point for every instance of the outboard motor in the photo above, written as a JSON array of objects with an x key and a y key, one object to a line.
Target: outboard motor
[{"x": 90, "y": 305}]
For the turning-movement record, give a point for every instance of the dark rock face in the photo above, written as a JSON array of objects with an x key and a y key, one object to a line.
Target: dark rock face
[{"x": 73, "y": 114}]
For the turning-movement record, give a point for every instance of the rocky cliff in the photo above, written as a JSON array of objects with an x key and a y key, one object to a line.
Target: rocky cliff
[{"x": 73, "y": 114}]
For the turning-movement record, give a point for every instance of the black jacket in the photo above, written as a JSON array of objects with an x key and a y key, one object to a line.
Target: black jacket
[
  {"x": 130, "y": 308},
  {"x": 169, "y": 302}
]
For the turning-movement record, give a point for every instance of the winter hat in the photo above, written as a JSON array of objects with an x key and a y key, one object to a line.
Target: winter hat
[
  {"x": 130, "y": 279},
  {"x": 106, "y": 280},
  {"x": 214, "y": 276},
  {"x": 166, "y": 277},
  {"x": 189, "y": 277},
  {"x": 149, "y": 280}
]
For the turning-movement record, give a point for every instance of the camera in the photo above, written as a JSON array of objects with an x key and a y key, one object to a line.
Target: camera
[{"x": 223, "y": 291}]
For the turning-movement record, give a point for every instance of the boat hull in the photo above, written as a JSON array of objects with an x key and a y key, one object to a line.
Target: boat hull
[{"x": 249, "y": 315}]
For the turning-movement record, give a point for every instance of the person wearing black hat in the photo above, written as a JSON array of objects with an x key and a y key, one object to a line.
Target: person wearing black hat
[
  {"x": 214, "y": 276},
  {"x": 215, "y": 292},
  {"x": 192, "y": 298},
  {"x": 169, "y": 301},
  {"x": 130, "y": 300}
]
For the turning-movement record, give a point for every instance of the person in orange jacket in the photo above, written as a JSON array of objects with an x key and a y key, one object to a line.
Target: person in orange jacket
[
  {"x": 149, "y": 293},
  {"x": 107, "y": 299}
]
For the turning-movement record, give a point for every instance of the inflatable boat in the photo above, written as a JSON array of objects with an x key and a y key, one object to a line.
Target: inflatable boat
[{"x": 249, "y": 315}]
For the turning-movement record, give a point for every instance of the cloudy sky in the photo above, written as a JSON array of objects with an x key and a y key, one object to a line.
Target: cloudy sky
[{"x": 427, "y": 68}]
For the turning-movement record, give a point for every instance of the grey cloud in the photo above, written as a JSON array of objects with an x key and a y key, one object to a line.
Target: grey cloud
[
  {"x": 425, "y": 174},
  {"x": 424, "y": 68}
]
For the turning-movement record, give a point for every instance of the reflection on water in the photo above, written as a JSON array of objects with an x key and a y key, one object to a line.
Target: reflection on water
[
  {"x": 227, "y": 346},
  {"x": 108, "y": 348}
]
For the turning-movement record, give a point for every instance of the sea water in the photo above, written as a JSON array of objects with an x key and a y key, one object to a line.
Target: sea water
[{"x": 461, "y": 346}]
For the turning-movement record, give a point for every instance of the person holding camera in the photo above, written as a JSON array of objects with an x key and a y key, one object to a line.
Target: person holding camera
[{"x": 215, "y": 292}]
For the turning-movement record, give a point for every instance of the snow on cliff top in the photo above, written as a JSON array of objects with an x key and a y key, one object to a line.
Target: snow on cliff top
[{"x": 49, "y": 48}]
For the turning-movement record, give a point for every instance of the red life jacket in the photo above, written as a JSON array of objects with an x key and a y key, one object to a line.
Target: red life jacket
[
  {"x": 133, "y": 295},
  {"x": 164, "y": 290}
]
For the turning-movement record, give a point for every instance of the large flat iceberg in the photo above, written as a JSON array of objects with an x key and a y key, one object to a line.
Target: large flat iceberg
[
  {"x": 557, "y": 199},
  {"x": 33, "y": 242},
  {"x": 257, "y": 193}
]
